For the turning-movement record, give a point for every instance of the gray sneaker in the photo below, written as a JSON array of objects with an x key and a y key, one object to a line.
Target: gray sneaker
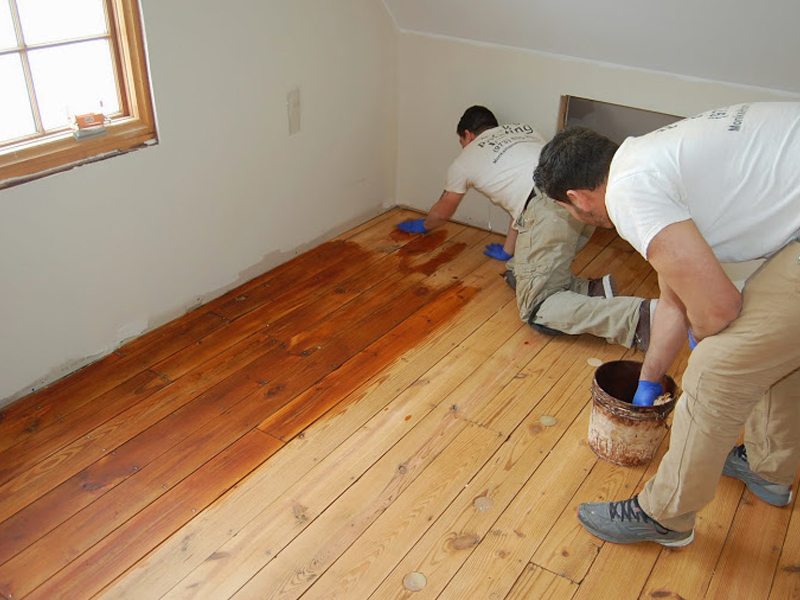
[
  {"x": 736, "y": 466},
  {"x": 626, "y": 523},
  {"x": 603, "y": 287}
]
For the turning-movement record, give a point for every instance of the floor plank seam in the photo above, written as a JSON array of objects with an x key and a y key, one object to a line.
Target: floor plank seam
[{"x": 413, "y": 423}]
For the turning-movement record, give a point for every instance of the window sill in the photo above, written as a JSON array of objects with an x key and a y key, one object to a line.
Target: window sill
[{"x": 61, "y": 152}]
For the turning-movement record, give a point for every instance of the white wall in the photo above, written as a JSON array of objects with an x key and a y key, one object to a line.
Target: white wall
[
  {"x": 439, "y": 77},
  {"x": 739, "y": 41},
  {"x": 108, "y": 250}
]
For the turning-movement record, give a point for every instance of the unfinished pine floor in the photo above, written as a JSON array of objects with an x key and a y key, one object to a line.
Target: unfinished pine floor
[{"x": 370, "y": 409}]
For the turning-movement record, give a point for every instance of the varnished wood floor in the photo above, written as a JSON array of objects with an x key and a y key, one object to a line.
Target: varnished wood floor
[{"x": 368, "y": 410}]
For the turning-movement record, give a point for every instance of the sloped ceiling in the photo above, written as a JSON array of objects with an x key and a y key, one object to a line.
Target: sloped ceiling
[{"x": 736, "y": 41}]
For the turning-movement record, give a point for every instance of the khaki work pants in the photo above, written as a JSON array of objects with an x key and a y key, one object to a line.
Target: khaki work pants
[
  {"x": 747, "y": 376},
  {"x": 549, "y": 237}
]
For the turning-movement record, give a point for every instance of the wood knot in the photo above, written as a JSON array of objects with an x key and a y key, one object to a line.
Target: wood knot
[{"x": 464, "y": 541}]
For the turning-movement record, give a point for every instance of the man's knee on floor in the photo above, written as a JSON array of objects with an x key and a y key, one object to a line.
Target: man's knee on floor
[
  {"x": 545, "y": 329},
  {"x": 531, "y": 291}
]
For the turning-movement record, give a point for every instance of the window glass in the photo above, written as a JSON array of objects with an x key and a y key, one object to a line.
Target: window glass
[
  {"x": 16, "y": 119},
  {"x": 72, "y": 80},
  {"x": 53, "y": 20},
  {"x": 8, "y": 38}
]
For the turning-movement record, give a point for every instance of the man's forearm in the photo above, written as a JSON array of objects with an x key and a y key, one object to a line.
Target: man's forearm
[
  {"x": 667, "y": 337},
  {"x": 511, "y": 239},
  {"x": 444, "y": 208},
  {"x": 432, "y": 220}
]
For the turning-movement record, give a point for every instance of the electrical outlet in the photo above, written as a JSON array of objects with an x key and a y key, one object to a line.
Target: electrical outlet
[{"x": 293, "y": 110}]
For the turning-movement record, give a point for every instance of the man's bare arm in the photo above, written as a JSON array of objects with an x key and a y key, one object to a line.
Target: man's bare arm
[
  {"x": 667, "y": 336},
  {"x": 511, "y": 239},
  {"x": 444, "y": 208},
  {"x": 687, "y": 266}
]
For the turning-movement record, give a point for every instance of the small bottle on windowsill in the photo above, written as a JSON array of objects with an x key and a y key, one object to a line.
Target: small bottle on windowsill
[{"x": 88, "y": 125}]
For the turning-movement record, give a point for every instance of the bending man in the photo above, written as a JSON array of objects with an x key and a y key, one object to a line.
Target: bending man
[{"x": 722, "y": 186}]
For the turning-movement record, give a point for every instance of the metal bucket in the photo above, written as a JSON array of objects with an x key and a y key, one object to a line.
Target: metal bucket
[{"x": 620, "y": 432}]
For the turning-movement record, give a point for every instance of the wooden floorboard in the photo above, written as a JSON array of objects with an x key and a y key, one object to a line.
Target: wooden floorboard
[
  {"x": 369, "y": 409},
  {"x": 324, "y": 440}
]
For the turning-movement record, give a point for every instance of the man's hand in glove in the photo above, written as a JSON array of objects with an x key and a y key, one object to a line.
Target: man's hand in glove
[
  {"x": 413, "y": 226},
  {"x": 692, "y": 340},
  {"x": 647, "y": 392},
  {"x": 496, "y": 251}
]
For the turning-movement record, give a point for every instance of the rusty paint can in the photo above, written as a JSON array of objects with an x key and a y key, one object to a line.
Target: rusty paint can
[{"x": 620, "y": 432}]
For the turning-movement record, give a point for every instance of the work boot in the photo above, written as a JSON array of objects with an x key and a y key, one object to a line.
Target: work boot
[
  {"x": 626, "y": 523},
  {"x": 736, "y": 466},
  {"x": 641, "y": 339},
  {"x": 604, "y": 287}
]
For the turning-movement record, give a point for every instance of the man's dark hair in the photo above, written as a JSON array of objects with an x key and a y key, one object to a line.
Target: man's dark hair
[
  {"x": 476, "y": 119},
  {"x": 576, "y": 158}
]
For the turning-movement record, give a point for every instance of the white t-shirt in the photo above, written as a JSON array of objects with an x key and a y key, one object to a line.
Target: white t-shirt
[
  {"x": 499, "y": 163},
  {"x": 734, "y": 171}
]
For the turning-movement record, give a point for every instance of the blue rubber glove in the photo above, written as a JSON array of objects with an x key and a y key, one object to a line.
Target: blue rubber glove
[
  {"x": 497, "y": 251},
  {"x": 692, "y": 341},
  {"x": 647, "y": 392},
  {"x": 413, "y": 226}
]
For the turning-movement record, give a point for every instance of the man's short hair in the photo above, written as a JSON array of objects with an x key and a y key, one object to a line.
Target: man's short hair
[
  {"x": 576, "y": 158},
  {"x": 476, "y": 119}
]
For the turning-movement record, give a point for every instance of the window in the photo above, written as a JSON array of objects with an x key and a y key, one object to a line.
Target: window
[
  {"x": 65, "y": 63},
  {"x": 615, "y": 121}
]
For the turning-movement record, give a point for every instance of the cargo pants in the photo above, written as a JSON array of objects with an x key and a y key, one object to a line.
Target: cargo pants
[
  {"x": 548, "y": 294},
  {"x": 747, "y": 376}
]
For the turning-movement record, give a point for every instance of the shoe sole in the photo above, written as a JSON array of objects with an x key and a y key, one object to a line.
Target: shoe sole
[
  {"x": 678, "y": 543},
  {"x": 608, "y": 287},
  {"x": 668, "y": 543}
]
